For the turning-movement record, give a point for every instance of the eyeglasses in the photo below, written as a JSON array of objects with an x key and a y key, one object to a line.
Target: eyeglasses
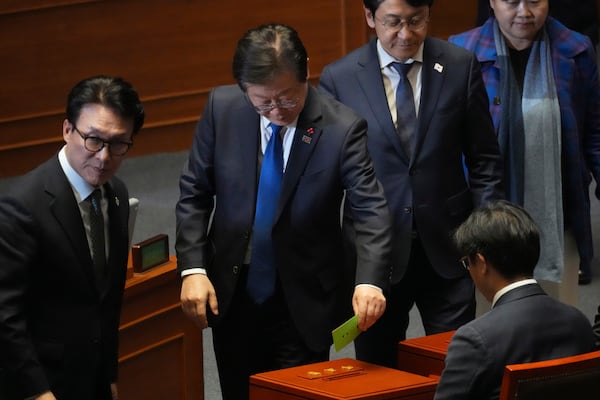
[
  {"x": 393, "y": 24},
  {"x": 265, "y": 108},
  {"x": 95, "y": 144},
  {"x": 464, "y": 261}
]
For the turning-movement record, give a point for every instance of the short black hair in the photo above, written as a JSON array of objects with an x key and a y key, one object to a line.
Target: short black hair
[
  {"x": 373, "y": 5},
  {"x": 505, "y": 234},
  {"x": 264, "y": 52},
  {"x": 112, "y": 92}
]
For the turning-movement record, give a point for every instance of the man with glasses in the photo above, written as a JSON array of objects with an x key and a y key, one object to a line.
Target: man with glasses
[
  {"x": 270, "y": 163},
  {"x": 501, "y": 244},
  {"x": 63, "y": 254},
  {"x": 426, "y": 109}
]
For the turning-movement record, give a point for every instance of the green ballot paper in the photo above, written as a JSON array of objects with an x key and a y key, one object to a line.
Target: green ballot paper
[{"x": 345, "y": 333}]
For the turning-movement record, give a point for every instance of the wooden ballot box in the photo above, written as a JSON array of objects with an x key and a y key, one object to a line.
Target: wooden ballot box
[
  {"x": 424, "y": 355},
  {"x": 340, "y": 379}
]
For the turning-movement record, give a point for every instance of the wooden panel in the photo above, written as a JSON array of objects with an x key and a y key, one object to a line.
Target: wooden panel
[
  {"x": 156, "y": 383},
  {"x": 154, "y": 333},
  {"x": 173, "y": 51},
  {"x": 19, "y": 6},
  {"x": 452, "y": 16}
]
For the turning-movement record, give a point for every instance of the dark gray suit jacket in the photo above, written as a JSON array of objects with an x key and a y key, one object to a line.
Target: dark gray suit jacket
[
  {"x": 58, "y": 329},
  {"x": 453, "y": 121},
  {"x": 328, "y": 158},
  {"x": 525, "y": 325}
]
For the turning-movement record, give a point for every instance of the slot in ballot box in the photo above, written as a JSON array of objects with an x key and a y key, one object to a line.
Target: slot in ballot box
[
  {"x": 424, "y": 355},
  {"x": 345, "y": 378}
]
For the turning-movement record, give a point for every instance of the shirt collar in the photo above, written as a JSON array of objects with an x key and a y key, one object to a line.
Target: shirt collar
[
  {"x": 264, "y": 122},
  {"x": 510, "y": 287},
  {"x": 386, "y": 59},
  {"x": 80, "y": 187}
]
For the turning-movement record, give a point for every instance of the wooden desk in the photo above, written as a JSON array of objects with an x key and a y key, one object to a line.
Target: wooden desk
[
  {"x": 340, "y": 379},
  {"x": 424, "y": 355},
  {"x": 160, "y": 352}
]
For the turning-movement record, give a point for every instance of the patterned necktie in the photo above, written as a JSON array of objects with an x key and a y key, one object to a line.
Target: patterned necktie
[
  {"x": 97, "y": 235},
  {"x": 261, "y": 274},
  {"x": 405, "y": 108}
]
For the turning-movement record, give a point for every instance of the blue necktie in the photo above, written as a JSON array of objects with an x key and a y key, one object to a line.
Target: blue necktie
[
  {"x": 405, "y": 108},
  {"x": 262, "y": 274}
]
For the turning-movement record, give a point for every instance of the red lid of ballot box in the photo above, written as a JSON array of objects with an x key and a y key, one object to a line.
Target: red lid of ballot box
[{"x": 340, "y": 379}]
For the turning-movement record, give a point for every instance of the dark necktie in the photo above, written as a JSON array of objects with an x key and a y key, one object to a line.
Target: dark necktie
[
  {"x": 262, "y": 275},
  {"x": 97, "y": 235},
  {"x": 405, "y": 108}
]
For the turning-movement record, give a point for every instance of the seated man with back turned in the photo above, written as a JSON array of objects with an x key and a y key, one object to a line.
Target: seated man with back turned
[{"x": 501, "y": 244}]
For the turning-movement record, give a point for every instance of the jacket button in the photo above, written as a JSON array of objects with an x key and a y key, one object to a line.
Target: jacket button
[
  {"x": 408, "y": 210},
  {"x": 236, "y": 269}
]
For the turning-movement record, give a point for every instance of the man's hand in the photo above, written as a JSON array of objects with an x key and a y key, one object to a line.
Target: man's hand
[
  {"x": 196, "y": 291},
  {"x": 114, "y": 392},
  {"x": 369, "y": 304},
  {"x": 46, "y": 396}
]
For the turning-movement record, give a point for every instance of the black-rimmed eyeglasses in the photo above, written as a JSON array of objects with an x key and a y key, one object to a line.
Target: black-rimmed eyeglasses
[
  {"x": 95, "y": 144},
  {"x": 464, "y": 261}
]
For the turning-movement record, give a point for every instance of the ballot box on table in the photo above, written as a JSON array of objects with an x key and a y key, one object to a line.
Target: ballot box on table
[
  {"x": 340, "y": 379},
  {"x": 424, "y": 355}
]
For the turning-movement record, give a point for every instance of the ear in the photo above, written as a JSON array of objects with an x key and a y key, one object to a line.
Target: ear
[
  {"x": 67, "y": 130},
  {"x": 369, "y": 17},
  {"x": 482, "y": 264}
]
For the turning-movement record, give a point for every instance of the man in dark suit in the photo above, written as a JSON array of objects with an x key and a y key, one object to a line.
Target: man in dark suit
[
  {"x": 501, "y": 246},
  {"x": 424, "y": 181},
  {"x": 307, "y": 288},
  {"x": 61, "y": 279}
]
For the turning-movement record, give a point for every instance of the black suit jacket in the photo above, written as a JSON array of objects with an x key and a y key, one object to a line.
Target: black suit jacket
[
  {"x": 429, "y": 193},
  {"x": 58, "y": 328},
  {"x": 525, "y": 325},
  {"x": 328, "y": 158}
]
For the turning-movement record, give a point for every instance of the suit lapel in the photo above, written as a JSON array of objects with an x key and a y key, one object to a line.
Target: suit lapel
[
  {"x": 433, "y": 75},
  {"x": 248, "y": 138},
  {"x": 371, "y": 83},
  {"x": 305, "y": 139},
  {"x": 65, "y": 209}
]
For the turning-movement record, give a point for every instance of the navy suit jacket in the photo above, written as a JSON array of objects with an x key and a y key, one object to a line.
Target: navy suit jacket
[
  {"x": 58, "y": 328},
  {"x": 328, "y": 159},
  {"x": 429, "y": 193},
  {"x": 525, "y": 325}
]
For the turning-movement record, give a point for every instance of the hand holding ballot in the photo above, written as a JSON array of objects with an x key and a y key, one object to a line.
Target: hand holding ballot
[{"x": 368, "y": 303}]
